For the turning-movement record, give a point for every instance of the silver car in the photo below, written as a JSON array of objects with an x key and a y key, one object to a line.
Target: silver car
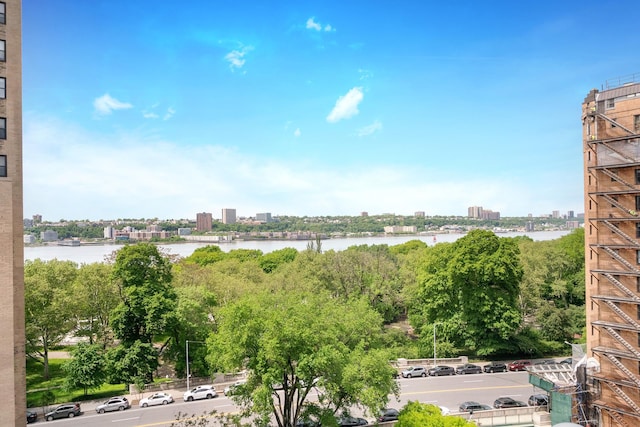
[
  {"x": 414, "y": 371},
  {"x": 119, "y": 403},
  {"x": 200, "y": 392},
  {"x": 156, "y": 399}
]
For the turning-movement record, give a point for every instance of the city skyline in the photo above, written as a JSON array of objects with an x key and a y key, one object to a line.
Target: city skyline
[{"x": 315, "y": 108}]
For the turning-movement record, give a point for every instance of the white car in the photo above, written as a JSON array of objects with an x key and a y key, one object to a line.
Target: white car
[
  {"x": 156, "y": 399},
  {"x": 200, "y": 392},
  {"x": 230, "y": 390}
]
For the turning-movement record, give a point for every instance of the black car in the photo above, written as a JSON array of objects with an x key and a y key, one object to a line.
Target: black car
[
  {"x": 441, "y": 370},
  {"x": 473, "y": 406},
  {"x": 495, "y": 367},
  {"x": 507, "y": 402},
  {"x": 538, "y": 400},
  {"x": 348, "y": 421},
  {"x": 66, "y": 410},
  {"x": 388, "y": 414},
  {"x": 468, "y": 369},
  {"x": 32, "y": 417}
]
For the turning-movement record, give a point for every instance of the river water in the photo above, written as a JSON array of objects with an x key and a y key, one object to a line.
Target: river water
[{"x": 97, "y": 253}]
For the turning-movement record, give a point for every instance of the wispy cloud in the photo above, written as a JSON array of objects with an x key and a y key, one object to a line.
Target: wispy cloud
[
  {"x": 170, "y": 112},
  {"x": 149, "y": 115},
  {"x": 346, "y": 106},
  {"x": 370, "y": 129},
  {"x": 297, "y": 133},
  {"x": 105, "y": 105},
  {"x": 312, "y": 24},
  {"x": 236, "y": 58}
]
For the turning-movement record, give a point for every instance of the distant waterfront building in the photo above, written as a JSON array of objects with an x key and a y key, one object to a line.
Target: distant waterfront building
[
  {"x": 529, "y": 227},
  {"x": 263, "y": 217},
  {"x": 29, "y": 239},
  {"x": 475, "y": 212},
  {"x": 184, "y": 231},
  {"x": 490, "y": 215},
  {"x": 27, "y": 223},
  {"x": 108, "y": 232},
  {"x": 571, "y": 225},
  {"x": 203, "y": 222},
  {"x": 392, "y": 229},
  {"x": 611, "y": 159},
  {"x": 228, "y": 216},
  {"x": 419, "y": 214},
  {"x": 49, "y": 236},
  {"x": 570, "y": 215},
  {"x": 363, "y": 213},
  {"x": 37, "y": 219},
  {"x": 555, "y": 214}
]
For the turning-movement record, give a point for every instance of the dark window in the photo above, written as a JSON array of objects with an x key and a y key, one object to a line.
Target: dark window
[
  {"x": 638, "y": 230},
  {"x": 2, "y": 50},
  {"x": 3, "y": 165},
  {"x": 3, "y": 13},
  {"x": 3, "y": 88},
  {"x": 637, "y": 176},
  {"x": 636, "y": 123},
  {"x": 611, "y": 103},
  {"x": 638, "y": 311},
  {"x": 637, "y": 203},
  {"x": 613, "y": 124},
  {"x": 638, "y": 260},
  {"x": 638, "y": 283},
  {"x": 3, "y": 128}
]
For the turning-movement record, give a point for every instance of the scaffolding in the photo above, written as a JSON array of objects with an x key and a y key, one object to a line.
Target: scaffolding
[{"x": 611, "y": 127}]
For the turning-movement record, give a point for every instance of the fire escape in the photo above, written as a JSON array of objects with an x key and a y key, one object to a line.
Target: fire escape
[{"x": 617, "y": 225}]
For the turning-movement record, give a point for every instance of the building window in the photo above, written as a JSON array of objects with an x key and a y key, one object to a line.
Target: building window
[
  {"x": 636, "y": 123},
  {"x": 638, "y": 311},
  {"x": 3, "y": 13},
  {"x": 3, "y": 166},
  {"x": 2, "y": 50},
  {"x": 3, "y": 128},
  {"x": 637, "y": 203},
  {"x": 613, "y": 124},
  {"x": 611, "y": 103},
  {"x": 3, "y": 88},
  {"x": 638, "y": 260},
  {"x": 638, "y": 231}
]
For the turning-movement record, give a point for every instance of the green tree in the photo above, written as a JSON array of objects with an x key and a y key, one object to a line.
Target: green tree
[
  {"x": 86, "y": 369},
  {"x": 49, "y": 306},
  {"x": 96, "y": 295},
  {"x": 416, "y": 414},
  {"x": 132, "y": 364},
  {"x": 147, "y": 306},
  {"x": 302, "y": 341}
]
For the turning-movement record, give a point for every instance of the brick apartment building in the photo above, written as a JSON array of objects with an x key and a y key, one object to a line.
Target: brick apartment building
[
  {"x": 12, "y": 340},
  {"x": 611, "y": 146}
]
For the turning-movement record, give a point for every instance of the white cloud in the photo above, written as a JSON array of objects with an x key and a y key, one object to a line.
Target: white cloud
[
  {"x": 149, "y": 115},
  {"x": 236, "y": 57},
  {"x": 170, "y": 112},
  {"x": 297, "y": 133},
  {"x": 312, "y": 24},
  {"x": 346, "y": 106},
  {"x": 106, "y": 104},
  {"x": 370, "y": 129}
]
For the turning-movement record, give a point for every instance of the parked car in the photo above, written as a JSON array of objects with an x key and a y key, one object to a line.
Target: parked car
[
  {"x": 200, "y": 392},
  {"x": 538, "y": 400},
  {"x": 349, "y": 421},
  {"x": 473, "y": 406},
  {"x": 66, "y": 410},
  {"x": 444, "y": 410},
  {"x": 495, "y": 367},
  {"x": 441, "y": 370},
  {"x": 468, "y": 368},
  {"x": 388, "y": 414},
  {"x": 567, "y": 361},
  {"x": 119, "y": 403},
  {"x": 519, "y": 365},
  {"x": 32, "y": 417},
  {"x": 507, "y": 402},
  {"x": 160, "y": 398},
  {"x": 233, "y": 388},
  {"x": 546, "y": 362},
  {"x": 414, "y": 371}
]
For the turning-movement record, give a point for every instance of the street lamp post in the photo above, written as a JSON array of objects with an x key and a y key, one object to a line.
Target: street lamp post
[{"x": 187, "y": 354}]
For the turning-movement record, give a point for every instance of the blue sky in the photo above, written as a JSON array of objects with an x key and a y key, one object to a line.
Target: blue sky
[{"x": 143, "y": 109}]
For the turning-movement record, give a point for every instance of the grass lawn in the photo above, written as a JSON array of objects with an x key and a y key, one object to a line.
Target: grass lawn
[{"x": 41, "y": 392}]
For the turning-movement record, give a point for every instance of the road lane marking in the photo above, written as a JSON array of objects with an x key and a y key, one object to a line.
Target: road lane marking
[
  {"x": 464, "y": 389},
  {"x": 124, "y": 419}
]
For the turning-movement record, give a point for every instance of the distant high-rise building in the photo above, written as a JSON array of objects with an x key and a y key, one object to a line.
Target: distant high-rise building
[
  {"x": 475, "y": 212},
  {"x": 419, "y": 214},
  {"x": 610, "y": 128},
  {"x": 555, "y": 214},
  {"x": 263, "y": 217},
  {"x": 37, "y": 219},
  {"x": 364, "y": 213},
  {"x": 570, "y": 214},
  {"x": 12, "y": 321},
  {"x": 204, "y": 222},
  {"x": 490, "y": 215},
  {"x": 108, "y": 232},
  {"x": 228, "y": 216}
]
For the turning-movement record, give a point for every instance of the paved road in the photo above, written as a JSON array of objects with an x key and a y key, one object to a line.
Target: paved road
[{"x": 443, "y": 391}]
